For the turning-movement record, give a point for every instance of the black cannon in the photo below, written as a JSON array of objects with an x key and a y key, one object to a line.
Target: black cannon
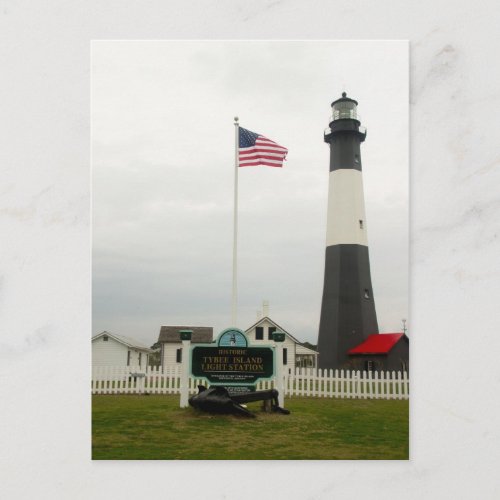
[{"x": 217, "y": 399}]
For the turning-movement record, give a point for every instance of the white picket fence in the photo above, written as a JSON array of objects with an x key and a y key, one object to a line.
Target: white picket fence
[
  {"x": 304, "y": 382},
  {"x": 347, "y": 384}
]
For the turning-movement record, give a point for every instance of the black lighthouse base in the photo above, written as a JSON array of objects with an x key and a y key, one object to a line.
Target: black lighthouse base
[{"x": 348, "y": 309}]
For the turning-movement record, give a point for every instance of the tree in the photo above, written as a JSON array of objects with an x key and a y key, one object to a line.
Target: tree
[{"x": 155, "y": 356}]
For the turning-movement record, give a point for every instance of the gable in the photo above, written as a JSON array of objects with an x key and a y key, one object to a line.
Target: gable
[
  {"x": 122, "y": 339},
  {"x": 110, "y": 343},
  {"x": 266, "y": 321}
]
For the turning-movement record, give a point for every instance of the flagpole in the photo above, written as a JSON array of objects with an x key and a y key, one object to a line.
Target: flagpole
[{"x": 234, "y": 299}]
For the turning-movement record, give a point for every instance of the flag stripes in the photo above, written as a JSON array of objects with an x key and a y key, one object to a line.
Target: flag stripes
[{"x": 255, "y": 149}]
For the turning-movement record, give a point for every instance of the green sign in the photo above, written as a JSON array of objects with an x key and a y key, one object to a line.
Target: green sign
[{"x": 232, "y": 362}]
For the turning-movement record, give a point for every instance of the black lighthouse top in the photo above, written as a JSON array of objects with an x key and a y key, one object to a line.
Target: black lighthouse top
[
  {"x": 345, "y": 135},
  {"x": 345, "y": 119}
]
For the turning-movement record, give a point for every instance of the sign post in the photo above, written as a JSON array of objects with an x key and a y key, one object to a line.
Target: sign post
[
  {"x": 279, "y": 338},
  {"x": 184, "y": 382}
]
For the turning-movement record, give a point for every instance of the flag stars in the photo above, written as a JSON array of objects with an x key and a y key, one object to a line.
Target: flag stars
[{"x": 257, "y": 150}]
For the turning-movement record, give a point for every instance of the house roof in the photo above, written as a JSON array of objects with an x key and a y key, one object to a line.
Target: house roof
[
  {"x": 302, "y": 349},
  {"x": 378, "y": 343},
  {"x": 128, "y": 341},
  {"x": 201, "y": 334}
]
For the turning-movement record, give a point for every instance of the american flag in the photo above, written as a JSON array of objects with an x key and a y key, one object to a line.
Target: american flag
[{"x": 255, "y": 149}]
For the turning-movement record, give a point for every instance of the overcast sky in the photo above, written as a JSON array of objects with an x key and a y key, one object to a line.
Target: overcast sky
[{"x": 163, "y": 173}]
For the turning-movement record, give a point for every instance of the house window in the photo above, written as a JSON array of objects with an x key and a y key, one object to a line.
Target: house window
[
  {"x": 105, "y": 338},
  {"x": 140, "y": 355},
  {"x": 367, "y": 293},
  {"x": 360, "y": 224},
  {"x": 128, "y": 358},
  {"x": 259, "y": 333},
  {"x": 271, "y": 330},
  {"x": 178, "y": 356},
  {"x": 285, "y": 356}
]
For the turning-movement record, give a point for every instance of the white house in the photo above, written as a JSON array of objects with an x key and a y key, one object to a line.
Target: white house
[
  {"x": 295, "y": 354},
  {"x": 110, "y": 349},
  {"x": 171, "y": 345}
]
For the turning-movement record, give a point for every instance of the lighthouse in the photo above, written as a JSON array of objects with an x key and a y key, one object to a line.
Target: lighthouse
[{"x": 348, "y": 308}]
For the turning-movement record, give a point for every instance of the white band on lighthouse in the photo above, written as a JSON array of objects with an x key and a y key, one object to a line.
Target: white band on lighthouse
[{"x": 346, "y": 223}]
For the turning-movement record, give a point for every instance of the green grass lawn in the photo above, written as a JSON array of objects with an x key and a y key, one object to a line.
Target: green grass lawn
[{"x": 155, "y": 428}]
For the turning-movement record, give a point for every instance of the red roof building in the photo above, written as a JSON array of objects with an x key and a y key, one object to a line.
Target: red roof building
[
  {"x": 379, "y": 343},
  {"x": 381, "y": 351}
]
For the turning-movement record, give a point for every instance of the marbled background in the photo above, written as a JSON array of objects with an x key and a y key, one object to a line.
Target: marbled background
[{"x": 45, "y": 248}]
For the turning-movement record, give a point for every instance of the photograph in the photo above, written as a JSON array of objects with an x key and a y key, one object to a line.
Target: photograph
[{"x": 250, "y": 250}]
